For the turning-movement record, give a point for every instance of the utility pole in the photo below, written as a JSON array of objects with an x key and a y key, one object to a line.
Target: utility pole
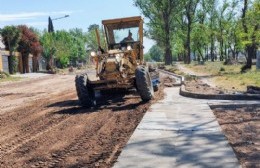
[
  {"x": 50, "y": 30},
  {"x": 50, "y": 24}
]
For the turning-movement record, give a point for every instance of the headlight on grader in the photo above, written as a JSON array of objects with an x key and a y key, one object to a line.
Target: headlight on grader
[
  {"x": 129, "y": 48},
  {"x": 118, "y": 57},
  {"x": 93, "y": 53}
]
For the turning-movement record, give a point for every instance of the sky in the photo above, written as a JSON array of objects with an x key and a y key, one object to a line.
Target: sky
[{"x": 82, "y": 13}]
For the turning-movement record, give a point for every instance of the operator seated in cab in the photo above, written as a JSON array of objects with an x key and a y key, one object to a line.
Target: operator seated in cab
[{"x": 128, "y": 38}]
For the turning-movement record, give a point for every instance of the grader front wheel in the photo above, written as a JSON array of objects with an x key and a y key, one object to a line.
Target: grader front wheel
[
  {"x": 144, "y": 83},
  {"x": 85, "y": 93}
]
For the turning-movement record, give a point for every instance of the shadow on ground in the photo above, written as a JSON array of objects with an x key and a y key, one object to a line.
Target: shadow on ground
[{"x": 114, "y": 101}]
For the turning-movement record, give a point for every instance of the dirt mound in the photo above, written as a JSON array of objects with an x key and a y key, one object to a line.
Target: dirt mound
[
  {"x": 169, "y": 81},
  {"x": 197, "y": 86}
]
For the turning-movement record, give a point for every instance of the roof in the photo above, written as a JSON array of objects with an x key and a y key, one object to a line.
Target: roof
[{"x": 120, "y": 23}]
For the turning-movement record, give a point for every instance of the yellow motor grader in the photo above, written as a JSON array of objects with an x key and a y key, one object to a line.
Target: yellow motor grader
[{"x": 121, "y": 65}]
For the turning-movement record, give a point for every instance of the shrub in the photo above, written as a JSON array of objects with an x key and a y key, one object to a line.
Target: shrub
[
  {"x": 190, "y": 77},
  {"x": 222, "y": 69},
  {"x": 3, "y": 75}
]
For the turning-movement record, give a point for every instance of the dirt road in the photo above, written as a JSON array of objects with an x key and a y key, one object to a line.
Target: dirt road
[{"x": 41, "y": 124}]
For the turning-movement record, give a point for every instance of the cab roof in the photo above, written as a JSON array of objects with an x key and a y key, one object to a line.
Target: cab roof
[{"x": 121, "y": 23}]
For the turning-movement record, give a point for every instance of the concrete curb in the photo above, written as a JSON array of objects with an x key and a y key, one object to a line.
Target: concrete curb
[
  {"x": 232, "y": 105},
  {"x": 186, "y": 93}
]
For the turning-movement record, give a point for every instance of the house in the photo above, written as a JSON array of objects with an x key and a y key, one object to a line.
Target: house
[
  {"x": 4, "y": 66},
  {"x": 2, "y": 47}
]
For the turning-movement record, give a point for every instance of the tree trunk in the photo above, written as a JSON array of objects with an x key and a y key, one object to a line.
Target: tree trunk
[
  {"x": 168, "y": 52},
  {"x": 187, "y": 59},
  {"x": 195, "y": 55},
  {"x": 35, "y": 64},
  {"x": 168, "y": 56},
  {"x": 249, "y": 48},
  {"x": 49, "y": 63},
  {"x": 250, "y": 54},
  {"x": 255, "y": 52},
  {"x": 212, "y": 49},
  {"x": 221, "y": 50},
  {"x": 25, "y": 60},
  {"x": 225, "y": 52},
  {"x": 12, "y": 63}
]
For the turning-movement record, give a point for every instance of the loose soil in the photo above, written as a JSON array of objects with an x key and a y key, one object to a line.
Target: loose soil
[
  {"x": 197, "y": 86},
  {"x": 169, "y": 81},
  {"x": 241, "y": 126},
  {"x": 42, "y": 125}
]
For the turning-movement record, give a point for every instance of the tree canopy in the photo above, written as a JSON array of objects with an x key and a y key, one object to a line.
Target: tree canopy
[
  {"x": 29, "y": 43},
  {"x": 203, "y": 29},
  {"x": 11, "y": 37}
]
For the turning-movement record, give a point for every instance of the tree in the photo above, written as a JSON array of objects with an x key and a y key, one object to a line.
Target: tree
[
  {"x": 200, "y": 41},
  {"x": 161, "y": 16},
  {"x": 212, "y": 27},
  {"x": 48, "y": 48},
  {"x": 189, "y": 13},
  {"x": 78, "y": 50},
  {"x": 147, "y": 57},
  {"x": 68, "y": 47},
  {"x": 29, "y": 43},
  {"x": 11, "y": 37},
  {"x": 91, "y": 40},
  {"x": 225, "y": 16},
  {"x": 93, "y": 27},
  {"x": 201, "y": 33},
  {"x": 63, "y": 44},
  {"x": 156, "y": 53},
  {"x": 250, "y": 37},
  {"x": 36, "y": 49}
]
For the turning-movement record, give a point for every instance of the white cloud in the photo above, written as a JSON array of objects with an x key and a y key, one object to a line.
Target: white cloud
[
  {"x": 30, "y": 15},
  {"x": 35, "y": 24}
]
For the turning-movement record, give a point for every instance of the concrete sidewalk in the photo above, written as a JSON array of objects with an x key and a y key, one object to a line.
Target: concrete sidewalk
[{"x": 178, "y": 132}]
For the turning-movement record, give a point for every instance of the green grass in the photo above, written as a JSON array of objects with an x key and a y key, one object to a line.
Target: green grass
[
  {"x": 228, "y": 76},
  {"x": 10, "y": 79},
  {"x": 174, "y": 69},
  {"x": 214, "y": 68}
]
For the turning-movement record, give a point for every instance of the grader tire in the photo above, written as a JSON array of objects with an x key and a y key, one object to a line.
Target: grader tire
[
  {"x": 144, "y": 83},
  {"x": 86, "y": 94}
]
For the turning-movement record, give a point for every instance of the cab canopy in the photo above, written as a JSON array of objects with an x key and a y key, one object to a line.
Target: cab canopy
[{"x": 117, "y": 29}]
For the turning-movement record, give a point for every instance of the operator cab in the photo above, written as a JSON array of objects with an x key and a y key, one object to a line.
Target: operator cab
[{"x": 124, "y": 32}]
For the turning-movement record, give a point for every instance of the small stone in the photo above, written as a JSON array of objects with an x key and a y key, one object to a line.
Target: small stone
[
  {"x": 221, "y": 92},
  {"x": 54, "y": 155}
]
